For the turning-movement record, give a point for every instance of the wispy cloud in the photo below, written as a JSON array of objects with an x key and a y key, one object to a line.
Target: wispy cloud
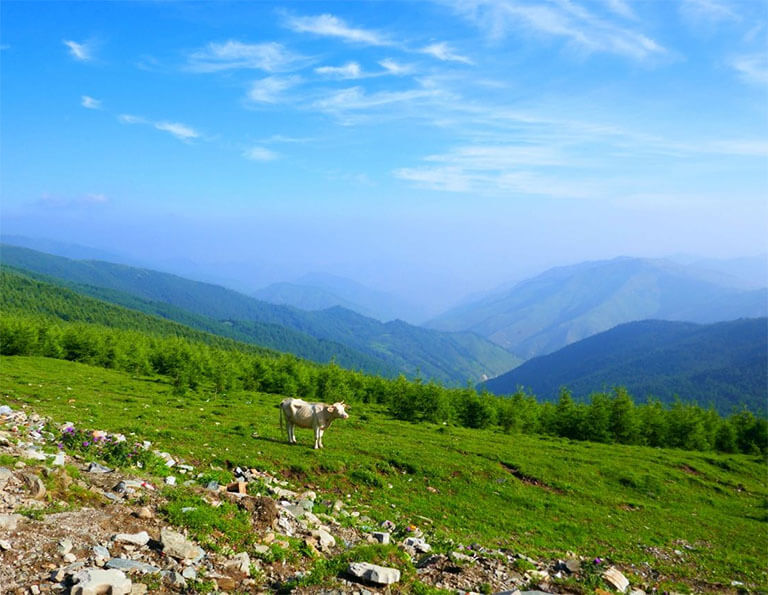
[
  {"x": 707, "y": 11},
  {"x": 621, "y": 8},
  {"x": 271, "y": 89},
  {"x": 356, "y": 98},
  {"x": 350, "y": 70},
  {"x": 79, "y": 51},
  {"x": 232, "y": 54},
  {"x": 560, "y": 18},
  {"x": 752, "y": 68},
  {"x": 90, "y": 102},
  {"x": 395, "y": 68},
  {"x": 328, "y": 25},
  {"x": 442, "y": 51},
  {"x": 181, "y": 131},
  {"x": 260, "y": 154}
]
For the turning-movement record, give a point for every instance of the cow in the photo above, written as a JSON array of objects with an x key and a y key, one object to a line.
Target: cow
[{"x": 317, "y": 416}]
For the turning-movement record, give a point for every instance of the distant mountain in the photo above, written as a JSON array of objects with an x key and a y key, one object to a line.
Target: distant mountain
[
  {"x": 64, "y": 249},
  {"x": 317, "y": 291},
  {"x": 725, "y": 363},
  {"x": 566, "y": 304},
  {"x": 453, "y": 358},
  {"x": 748, "y": 272}
]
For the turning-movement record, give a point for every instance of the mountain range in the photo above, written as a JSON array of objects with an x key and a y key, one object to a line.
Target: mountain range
[
  {"x": 724, "y": 363},
  {"x": 354, "y": 340},
  {"x": 566, "y": 304}
]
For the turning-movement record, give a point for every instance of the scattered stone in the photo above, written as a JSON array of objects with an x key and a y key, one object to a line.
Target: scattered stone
[
  {"x": 101, "y": 552},
  {"x": 35, "y": 455},
  {"x": 239, "y": 487},
  {"x": 240, "y": 563},
  {"x": 129, "y": 565},
  {"x": 93, "y": 581},
  {"x": 178, "y": 546},
  {"x": 5, "y": 545},
  {"x": 58, "y": 460},
  {"x": 96, "y": 468},
  {"x": 381, "y": 536},
  {"x": 189, "y": 573},
  {"x": 170, "y": 480},
  {"x": 61, "y": 573},
  {"x": 373, "y": 573},
  {"x": 141, "y": 538},
  {"x": 616, "y": 579},
  {"x": 325, "y": 540},
  {"x": 139, "y": 589},
  {"x": 64, "y": 547},
  {"x": 641, "y": 592},
  {"x": 573, "y": 565},
  {"x": 145, "y": 512},
  {"x": 174, "y": 579},
  {"x": 34, "y": 484},
  {"x": 418, "y": 544},
  {"x": 261, "y": 549},
  {"x": 213, "y": 486},
  {"x": 461, "y": 557},
  {"x": 226, "y": 583}
]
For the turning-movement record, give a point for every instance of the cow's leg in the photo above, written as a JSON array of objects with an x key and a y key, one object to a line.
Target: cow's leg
[
  {"x": 318, "y": 437},
  {"x": 321, "y": 438},
  {"x": 291, "y": 437}
]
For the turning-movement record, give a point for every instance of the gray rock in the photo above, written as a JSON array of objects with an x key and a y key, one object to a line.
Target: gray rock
[
  {"x": 306, "y": 504},
  {"x": 129, "y": 565},
  {"x": 641, "y": 592},
  {"x": 58, "y": 460},
  {"x": 93, "y": 581},
  {"x": 174, "y": 579},
  {"x": 213, "y": 486},
  {"x": 325, "y": 540},
  {"x": 381, "y": 536},
  {"x": 614, "y": 576},
  {"x": 261, "y": 549},
  {"x": 5, "y": 474},
  {"x": 64, "y": 546},
  {"x": 35, "y": 455},
  {"x": 62, "y": 573},
  {"x": 170, "y": 480},
  {"x": 139, "y": 589},
  {"x": 240, "y": 563},
  {"x": 189, "y": 573},
  {"x": 379, "y": 575},
  {"x": 96, "y": 468},
  {"x": 418, "y": 544},
  {"x": 126, "y": 484},
  {"x": 178, "y": 546},
  {"x": 9, "y": 521},
  {"x": 5, "y": 545},
  {"x": 141, "y": 538},
  {"x": 101, "y": 552},
  {"x": 69, "y": 557}
]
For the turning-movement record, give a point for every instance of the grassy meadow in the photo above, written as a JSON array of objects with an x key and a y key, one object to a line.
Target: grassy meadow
[{"x": 689, "y": 520}]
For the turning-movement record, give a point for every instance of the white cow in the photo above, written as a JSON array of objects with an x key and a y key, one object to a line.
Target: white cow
[{"x": 317, "y": 416}]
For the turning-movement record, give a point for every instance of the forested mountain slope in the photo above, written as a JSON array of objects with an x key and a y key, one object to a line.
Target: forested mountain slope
[
  {"x": 387, "y": 348},
  {"x": 566, "y": 304},
  {"x": 724, "y": 363}
]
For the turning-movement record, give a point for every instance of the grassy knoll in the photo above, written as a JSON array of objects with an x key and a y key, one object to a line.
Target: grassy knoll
[{"x": 540, "y": 496}]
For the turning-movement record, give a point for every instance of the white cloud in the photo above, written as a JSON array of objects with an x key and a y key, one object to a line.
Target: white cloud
[
  {"x": 79, "y": 51},
  {"x": 230, "y": 55},
  {"x": 260, "y": 154},
  {"x": 621, "y": 8},
  {"x": 442, "y": 51},
  {"x": 131, "y": 119},
  {"x": 52, "y": 201},
  {"x": 330, "y": 26},
  {"x": 707, "y": 11},
  {"x": 180, "y": 131},
  {"x": 752, "y": 68},
  {"x": 351, "y": 70},
  {"x": 271, "y": 88},
  {"x": 561, "y": 18},
  {"x": 90, "y": 102},
  {"x": 395, "y": 68},
  {"x": 355, "y": 98}
]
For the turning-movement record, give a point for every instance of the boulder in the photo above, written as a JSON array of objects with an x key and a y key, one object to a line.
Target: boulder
[
  {"x": 130, "y": 565},
  {"x": 325, "y": 540},
  {"x": 35, "y": 485},
  {"x": 93, "y": 581},
  {"x": 372, "y": 573},
  {"x": 240, "y": 563},
  {"x": 381, "y": 536},
  {"x": 178, "y": 546},
  {"x": 141, "y": 538},
  {"x": 418, "y": 544},
  {"x": 96, "y": 468}
]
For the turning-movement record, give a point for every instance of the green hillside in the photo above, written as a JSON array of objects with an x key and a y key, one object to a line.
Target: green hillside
[
  {"x": 391, "y": 347},
  {"x": 567, "y": 304},
  {"x": 44, "y": 295},
  {"x": 724, "y": 364},
  {"x": 632, "y": 506}
]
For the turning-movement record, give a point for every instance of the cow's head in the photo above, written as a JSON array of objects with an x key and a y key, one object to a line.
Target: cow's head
[{"x": 337, "y": 410}]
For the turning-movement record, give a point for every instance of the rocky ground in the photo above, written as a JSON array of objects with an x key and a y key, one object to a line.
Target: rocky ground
[{"x": 71, "y": 524}]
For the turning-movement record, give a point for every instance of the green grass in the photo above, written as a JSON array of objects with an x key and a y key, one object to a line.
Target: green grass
[{"x": 538, "y": 496}]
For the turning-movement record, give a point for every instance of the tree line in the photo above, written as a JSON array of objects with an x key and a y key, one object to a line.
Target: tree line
[{"x": 191, "y": 365}]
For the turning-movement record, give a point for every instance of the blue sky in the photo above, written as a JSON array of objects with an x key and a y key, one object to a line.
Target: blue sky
[{"x": 424, "y": 147}]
